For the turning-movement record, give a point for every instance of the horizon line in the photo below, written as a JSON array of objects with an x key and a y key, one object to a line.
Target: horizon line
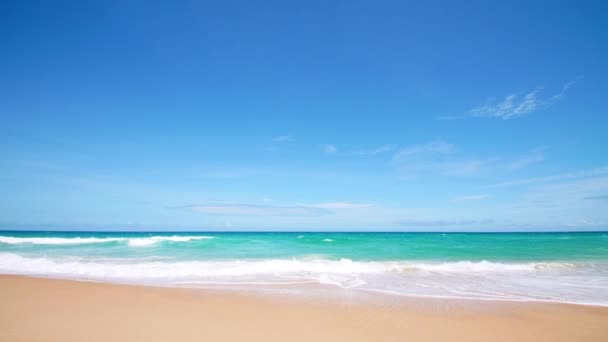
[{"x": 307, "y": 231}]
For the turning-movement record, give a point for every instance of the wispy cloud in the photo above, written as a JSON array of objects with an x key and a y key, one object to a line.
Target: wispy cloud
[
  {"x": 565, "y": 88},
  {"x": 597, "y": 198},
  {"x": 471, "y": 197},
  {"x": 526, "y": 161},
  {"x": 283, "y": 138},
  {"x": 562, "y": 198},
  {"x": 553, "y": 178},
  {"x": 330, "y": 149},
  {"x": 379, "y": 150},
  {"x": 414, "y": 223},
  {"x": 339, "y": 205},
  {"x": 433, "y": 147},
  {"x": 585, "y": 223},
  {"x": 256, "y": 210},
  {"x": 438, "y": 157},
  {"x": 442, "y": 158},
  {"x": 466, "y": 167},
  {"x": 515, "y": 105},
  {"x": 580, "y": 224},
  {"x": 316, "y": 209},
  {"x": 534, "y": 157},
  {"x": 564, "y": 201}
]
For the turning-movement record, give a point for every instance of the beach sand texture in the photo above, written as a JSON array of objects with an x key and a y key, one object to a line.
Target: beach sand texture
[{"x": 35, "y": 309}]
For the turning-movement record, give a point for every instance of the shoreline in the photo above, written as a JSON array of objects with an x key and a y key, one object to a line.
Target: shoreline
[
  {"x": 314, "y": 291},
  {"x": 42, "y": 309},
  {"x": 460, "y": 266}
]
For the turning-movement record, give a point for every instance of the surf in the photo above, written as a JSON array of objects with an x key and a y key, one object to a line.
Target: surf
[{"x": 144, "y": 241}]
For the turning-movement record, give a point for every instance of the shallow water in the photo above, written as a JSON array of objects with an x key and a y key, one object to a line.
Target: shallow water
[{"x": 564, "y": 267}]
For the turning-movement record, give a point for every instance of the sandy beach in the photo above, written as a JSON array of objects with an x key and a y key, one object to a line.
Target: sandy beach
[{"x": 35, "y": 309}]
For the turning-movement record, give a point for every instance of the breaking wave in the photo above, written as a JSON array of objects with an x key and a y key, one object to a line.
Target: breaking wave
[
  {"x": 145, "y": 241},
  {"x": 553, "y": 281}
]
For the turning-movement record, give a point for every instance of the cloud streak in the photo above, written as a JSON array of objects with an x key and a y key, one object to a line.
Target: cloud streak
[
  {"x": 597, "y": 198},
  {"x": 330, "y": 149},
  {"x": 471, "y": 197},
  {"x": 317, "y": 209},
  {"x": 339, "y": 205},
  {"x": 441, "y": 158},
  {"x": 283, "y": 138},
  {"x": 433, "y": 148},
  {"x": 536, "y": 156},
  {"x": 257, "y": 210},
  {"x": 438, "y": 157},
  {"x": 516, "y": 105},
  {"x": 413, "y": 223},
  {"x": 379, "y": 150},
  {"x": 553, "y": 178},
  {"x": 512, "y": 106}
]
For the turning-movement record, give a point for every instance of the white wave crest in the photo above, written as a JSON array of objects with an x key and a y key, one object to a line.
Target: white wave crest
[
  {"x": 463, "y": 279},
  {"x": 55, "y": 240},
  {"x": 154, "y": 239},
  {"x": 147, "y": 241},
  {"x": 484, "y": 266},
  {"x": 15, "y": 263}
]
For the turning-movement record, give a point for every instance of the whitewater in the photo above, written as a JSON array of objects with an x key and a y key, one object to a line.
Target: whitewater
[{"x": 562, "y": 267}]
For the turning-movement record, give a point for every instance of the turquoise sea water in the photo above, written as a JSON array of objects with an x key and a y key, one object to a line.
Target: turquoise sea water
[{"x": 569, "y": 267}]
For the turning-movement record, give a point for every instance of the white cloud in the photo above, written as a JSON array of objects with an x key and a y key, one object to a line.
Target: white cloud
[
  {"x": 257, "y": 210},
  {"x": 565, "y": 88},
  {"x": 434, "y": 147},
  {"x": 379, "y": 150},
  {"x": 514, "y": 105},
  {"x": 553, "y": 178},
  {"x": 437, "y": 157},
  {"x": 339, "y": 205},
  {"x": 585, "y": 222},
  {"x": 536, "y": 156},
  {"x": 569, "y": 191},
  {"x": 440, "y": 157},
  {"x": 415, "y": 223},
  {"x": 563, "y": 201},
  {"x": 330, "y": 149},
  {"x": 471, "y": 197},
  {"x": 466, "y": 167},
  {"x": 283, "y": 138},
  {"x": 510, "y": 107}
]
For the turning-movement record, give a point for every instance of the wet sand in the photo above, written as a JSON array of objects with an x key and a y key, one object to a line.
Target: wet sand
[{"x": 34, "y": 309}]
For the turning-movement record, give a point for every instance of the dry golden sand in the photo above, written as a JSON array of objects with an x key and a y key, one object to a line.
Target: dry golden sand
[{"x": 59, "y": 310}]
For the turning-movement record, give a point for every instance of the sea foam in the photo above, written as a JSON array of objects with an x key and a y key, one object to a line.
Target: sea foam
[
  {"x": 307, "y": 267},
  {"x": 55, "y": 240},
  {"x": 516, "y": 266},
  {"x": 154, "y": 239},
  {"x": 145, "y": 241},
  {"x": 553, "y": 281}
]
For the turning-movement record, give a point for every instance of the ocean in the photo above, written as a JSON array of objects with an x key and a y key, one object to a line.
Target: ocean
[{"x": 559, "y": 267}]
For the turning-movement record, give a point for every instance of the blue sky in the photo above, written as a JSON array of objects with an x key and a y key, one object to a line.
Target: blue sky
[{"x": 324, "y": 115}]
